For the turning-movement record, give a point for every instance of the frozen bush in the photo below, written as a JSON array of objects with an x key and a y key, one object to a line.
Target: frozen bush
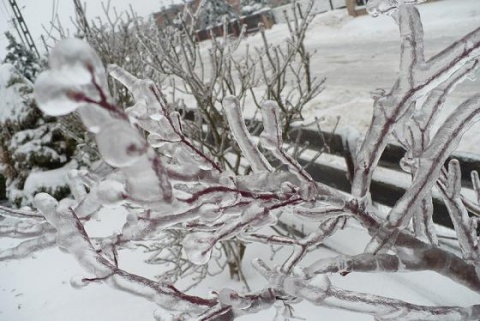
[{"x": 167, "y": 183}]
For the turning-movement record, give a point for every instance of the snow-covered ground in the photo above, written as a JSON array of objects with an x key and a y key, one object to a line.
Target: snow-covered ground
[{"x": 356, "y": 55}]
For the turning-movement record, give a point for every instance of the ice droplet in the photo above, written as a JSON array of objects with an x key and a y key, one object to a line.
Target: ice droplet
[
  {"x": 231, "y": 298},
  {"x": 321, "y": 282},
  {"x": 74, "y": 52},
  {"x": 228, "y": 297},
  {"x": 74, "y": 68},
  {"x": 120, "y": 144},
  {"x": 293, "y": 286},
  {"x": 162, "y": 315},
  {"x": 93, "y": 117},
  {"x": 198, "y": 247}
]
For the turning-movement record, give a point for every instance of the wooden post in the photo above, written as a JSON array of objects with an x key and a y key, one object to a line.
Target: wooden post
[{"x": 351, "y": 4}]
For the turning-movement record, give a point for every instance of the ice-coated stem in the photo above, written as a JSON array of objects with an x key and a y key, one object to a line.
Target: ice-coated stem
[
  {"x": 416, "y": 79},
  {"x": 320, "y": 292},
  {"x": 463, "y": 224},
  {"x": 430, "y": 166},
  {"x": 425, "y": 259},
  {"x": 272, "y": 140},
  {"x": 28, "y": 247},
  {"x": 72, "y": 237},
  {"x": 257, "y": 161},
  {"x": 389, "y": 108}
]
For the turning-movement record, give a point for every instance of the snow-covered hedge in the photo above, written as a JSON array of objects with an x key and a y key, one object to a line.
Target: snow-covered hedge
[{"x": 30, "y": 143}]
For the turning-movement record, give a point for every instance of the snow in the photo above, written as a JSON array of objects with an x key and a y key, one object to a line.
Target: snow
[
  {"x": 12, "y": 96},
  {"x": 348, "y": 49},
  {"x": 47, "y": 180}
]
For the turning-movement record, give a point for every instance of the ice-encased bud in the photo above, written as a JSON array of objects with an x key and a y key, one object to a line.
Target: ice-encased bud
[
  {"x": 167, "y": 127},
  {"x": 231, "y": 298},
  {"x": 308, "y": 191},
  {"x": 66, "y": 203},
  {"x": 56, "y": 92},
  {"x": 89, "y": 205},
  {"x": 63, "y": 88},
  {"x": 162, "y": 315},
  {"x": 78, "y": 282},
  {"x": 257, "y": 216},
  {"x": 198, "y": 247},
  {"x": 120, "y": 144},
  {"x": 72, "y": 51},
  {"x": 146, "y": 186},
  {"x": 271, "y": 137},
  {"x": 111, "y": 192},
  {"x": 45, "y": 203}
]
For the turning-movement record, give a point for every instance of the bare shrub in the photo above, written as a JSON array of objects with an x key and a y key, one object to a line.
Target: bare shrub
[{"x": 167, "y": 182}]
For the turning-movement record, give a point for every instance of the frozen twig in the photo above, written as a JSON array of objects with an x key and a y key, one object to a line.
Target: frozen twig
[{"x": 72, "y": 237}]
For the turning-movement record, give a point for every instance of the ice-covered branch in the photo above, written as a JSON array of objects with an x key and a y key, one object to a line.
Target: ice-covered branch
[
  {"x": 476, "y": 185},
  {"x": 320, "y": 291},
  {"x": 272, "y": 140},
  {"x": 425, "y": 255},
  {"x": 426, "y": 258},
  {"x": 23, "y": 228},
  {"x": 465, "y": 227},
  {"x": 72, "y": 237},
  {"x": 20, "y": 214},
  {"x": 29, "y": 247},
  {"x": 416, "y": 80},
  {"x": 170, "y": 183},
  {"x": 430, "y": 166}
]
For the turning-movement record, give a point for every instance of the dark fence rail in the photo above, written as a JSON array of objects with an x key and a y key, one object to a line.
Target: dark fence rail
[
  {"x": 382, "y": 192},
  {"x": 234, "y": 27}
]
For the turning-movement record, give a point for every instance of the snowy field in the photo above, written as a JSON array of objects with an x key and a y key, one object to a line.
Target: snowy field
[{"x": 357, "y": 56}]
